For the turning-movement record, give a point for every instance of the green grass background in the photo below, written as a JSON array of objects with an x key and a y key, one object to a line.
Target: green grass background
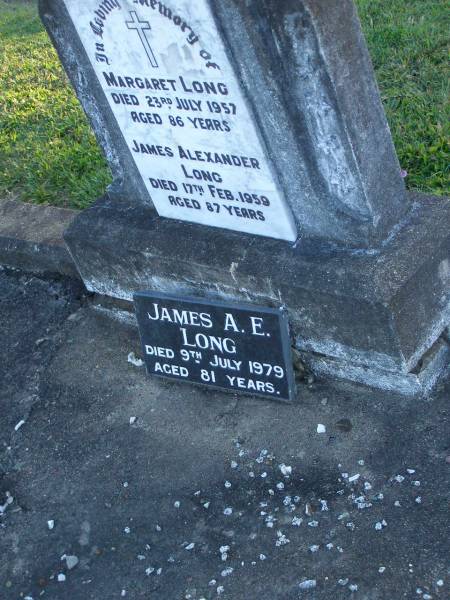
[{"x": 48, "y": 154}]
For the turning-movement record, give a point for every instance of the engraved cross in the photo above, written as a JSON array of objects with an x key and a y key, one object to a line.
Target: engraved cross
[{"x": 142, "y": 27}]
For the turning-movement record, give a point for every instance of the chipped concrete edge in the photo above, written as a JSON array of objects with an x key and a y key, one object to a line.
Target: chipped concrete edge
[{"x": 31, "y": 238}]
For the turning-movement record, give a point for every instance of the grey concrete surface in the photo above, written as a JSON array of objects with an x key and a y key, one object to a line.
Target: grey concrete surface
[
  {"x": 31, "y": 238},
  {"x": 141, "y": 503}
]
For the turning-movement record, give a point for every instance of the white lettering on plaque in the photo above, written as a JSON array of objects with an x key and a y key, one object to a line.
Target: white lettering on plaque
[{"x": 180, "y": 108}]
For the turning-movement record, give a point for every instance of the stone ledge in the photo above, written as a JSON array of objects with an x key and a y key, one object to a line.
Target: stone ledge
[
  {"x": 368, "y": 304},
  {"x": 431, "y": 368},
  {"x": 31, "y": 238}
]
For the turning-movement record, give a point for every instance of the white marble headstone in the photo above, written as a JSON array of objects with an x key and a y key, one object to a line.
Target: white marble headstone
[{"x": 181, "y": 110}]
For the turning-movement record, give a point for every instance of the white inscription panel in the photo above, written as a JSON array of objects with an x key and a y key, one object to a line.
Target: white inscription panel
[{"x": 178, "y": 103}]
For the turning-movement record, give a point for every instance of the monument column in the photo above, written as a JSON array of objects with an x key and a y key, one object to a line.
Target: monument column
[{"x": 307, "y": 63}]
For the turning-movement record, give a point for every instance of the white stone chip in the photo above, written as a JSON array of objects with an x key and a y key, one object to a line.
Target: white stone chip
[
  {"x": 71, "y": 561},
  {"x": 19, "y": 425},
  {"x": 61, "y": 577},
  {"x": 134, "y": 360},
  {"x": 227, "y": 484},
  {"x": 177, "y": 504},
  {"x": 309, "y": 584},
  {"x": 285, "y": 470},
  {"x": 133, "y": 420},
  {"x": 314, "y": 548},
  {"x": 354, "y": 478},
  {"x": 51, "y": 524},
  {"x": 321, "y": 428},
  {"x": 228, "y": 511},
  {"x": 411, "y": 471},
  {"x": 233, "y": 464},
  {"x": 381, "y": 569},
  {"x": 226, "y": 572},
  {"x": 190, "y": 546},
  {"x": 127, "y": 530},
  {"x": 282, "y": 539},
  {"x": 262, "y": 557}
]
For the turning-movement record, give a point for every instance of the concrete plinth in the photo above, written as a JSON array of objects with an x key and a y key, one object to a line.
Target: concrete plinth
[{"x": 377, "y": 316}]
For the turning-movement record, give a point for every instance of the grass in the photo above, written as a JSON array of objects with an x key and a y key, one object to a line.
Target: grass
[
  {"x": 408, "y": 42},
  {"x": 49, "y": 155}
]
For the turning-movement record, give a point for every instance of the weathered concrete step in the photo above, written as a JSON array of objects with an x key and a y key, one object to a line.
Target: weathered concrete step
[{"x": 31, "y": 238}]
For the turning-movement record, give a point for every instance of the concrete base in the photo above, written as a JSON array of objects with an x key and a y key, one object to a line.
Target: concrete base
[
  {"x": 31, "y": 238},
  {"x": 420, "y": 381},
  {"x": 370, "y": 316}
]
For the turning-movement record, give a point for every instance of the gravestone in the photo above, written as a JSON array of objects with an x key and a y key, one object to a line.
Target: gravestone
[{"x": 252, "y": 163}]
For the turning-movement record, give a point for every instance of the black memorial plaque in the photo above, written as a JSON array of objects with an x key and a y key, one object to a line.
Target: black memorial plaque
[{"x": 236, "y": 347}]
